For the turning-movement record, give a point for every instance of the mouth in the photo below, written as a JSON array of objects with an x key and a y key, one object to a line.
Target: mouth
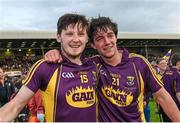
[
  {"x": 108, "y": 48},
  {"x": 75, "y": 46}
]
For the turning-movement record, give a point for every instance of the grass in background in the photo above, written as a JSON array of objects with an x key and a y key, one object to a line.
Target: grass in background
[{"x": 154, "y": 116}]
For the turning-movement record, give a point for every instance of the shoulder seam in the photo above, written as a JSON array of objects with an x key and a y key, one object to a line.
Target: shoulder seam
[
  {"x": 131, "y": 55},
  {"x": 32, "y": 70},
  {"x": 148, "y": 65}
]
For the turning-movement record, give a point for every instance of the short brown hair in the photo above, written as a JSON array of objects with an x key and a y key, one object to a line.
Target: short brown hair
[{"x": 67, "y": 19}]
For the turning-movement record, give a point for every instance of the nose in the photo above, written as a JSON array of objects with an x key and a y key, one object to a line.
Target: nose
[
  {"x": 75, "y": 38},
  {"x": 106, "y": 40}
]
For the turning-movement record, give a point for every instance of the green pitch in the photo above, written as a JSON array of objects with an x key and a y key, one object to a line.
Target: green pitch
[{"x": 154, "y": 116}]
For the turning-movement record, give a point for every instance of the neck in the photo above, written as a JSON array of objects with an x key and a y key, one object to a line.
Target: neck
[
  {"x": 116, "y": 59},
  {"x": 75, "y": 60}
]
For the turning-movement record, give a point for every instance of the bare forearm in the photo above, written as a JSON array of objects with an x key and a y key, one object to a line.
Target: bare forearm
[
  {"x": 9, "y": 112},
  {"x": 171, "y": 110},
  {"x": 169, "y": 106}
]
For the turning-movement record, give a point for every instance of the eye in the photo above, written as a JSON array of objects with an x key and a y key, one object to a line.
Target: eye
[
  {"x": 81, "y": 33},
  {"x": 98, "y": 38},
  {"x": 111, "y": 35}
]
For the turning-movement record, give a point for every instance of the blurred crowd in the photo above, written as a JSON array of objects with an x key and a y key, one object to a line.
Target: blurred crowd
[
  {"x": 10, "y": 85},
  {"x": 18, "y": 62}
]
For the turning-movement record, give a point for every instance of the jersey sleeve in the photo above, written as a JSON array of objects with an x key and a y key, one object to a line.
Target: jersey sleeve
[
  {"x": 34, "y": 80},
  {"x": 152, "y": 82},
  {"x": 178, "y": 82}
]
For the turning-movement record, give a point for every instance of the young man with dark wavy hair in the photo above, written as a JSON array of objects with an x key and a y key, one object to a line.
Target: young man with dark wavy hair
[
  {"x": 67, "y": 88},
  {"x": 123, "y": 77}
]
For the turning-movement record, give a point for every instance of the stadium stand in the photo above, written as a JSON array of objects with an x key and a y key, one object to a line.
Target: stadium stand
[{"x": 20, "y": 49}]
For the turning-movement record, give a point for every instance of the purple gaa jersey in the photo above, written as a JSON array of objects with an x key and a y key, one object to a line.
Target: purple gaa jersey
[
  {"x": 67, "y": 90},
  {"x": 178, "y": 83},
  {"x": 171, "y": 80},
  {"x": 121, "y": 88}
]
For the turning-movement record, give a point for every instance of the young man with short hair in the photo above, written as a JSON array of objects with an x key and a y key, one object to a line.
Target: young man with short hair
[
  {"x": 67, "y": 88},
  {"x": 123, "y": 78}
]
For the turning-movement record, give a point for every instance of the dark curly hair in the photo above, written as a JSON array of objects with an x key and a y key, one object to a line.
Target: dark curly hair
[{"x": 101, "y": 24}]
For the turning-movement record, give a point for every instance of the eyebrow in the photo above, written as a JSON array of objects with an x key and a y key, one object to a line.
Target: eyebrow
[{"x": 110, "y": 33}]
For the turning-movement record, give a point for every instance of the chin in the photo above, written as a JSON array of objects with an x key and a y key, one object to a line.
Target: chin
[
  {"x": 109, "y": 55},
  {"x": 76, "y": 54}
]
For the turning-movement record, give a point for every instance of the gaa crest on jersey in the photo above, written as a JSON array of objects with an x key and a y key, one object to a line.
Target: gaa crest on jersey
[
  {"x": 67, "y": 75},
  {"x": 130, "y": 80}
]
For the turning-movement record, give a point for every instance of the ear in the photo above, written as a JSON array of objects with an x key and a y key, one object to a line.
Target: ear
[
  {"x": 58, "y": 38},
  {"x": 87, "y": 40},
  {"x": 92, "y": 45}
]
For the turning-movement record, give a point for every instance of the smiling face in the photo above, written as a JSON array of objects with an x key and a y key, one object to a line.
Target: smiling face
[
  {"x": 163, "y": 64},
  {"x": 73, "y": 40},
  {"x": 104, "y": 42}
]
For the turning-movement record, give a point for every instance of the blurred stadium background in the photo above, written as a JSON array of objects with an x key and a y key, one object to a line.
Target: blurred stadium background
[{"x": 20, "y": 49}]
